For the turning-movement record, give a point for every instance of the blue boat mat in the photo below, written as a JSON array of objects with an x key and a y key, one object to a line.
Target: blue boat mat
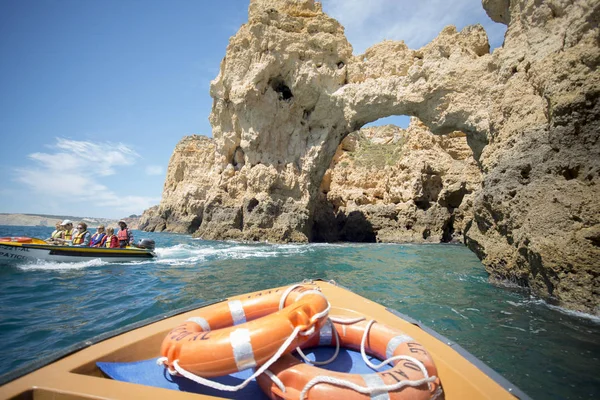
[{"x": 148, "y": 373}]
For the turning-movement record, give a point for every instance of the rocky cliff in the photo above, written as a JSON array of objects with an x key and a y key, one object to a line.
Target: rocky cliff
[
  {"x": 388, "y": 184},
  {"x": 187, "y": 185},
  {"x": 384, "y": 184},
  {"x": 290, "y": 90}
]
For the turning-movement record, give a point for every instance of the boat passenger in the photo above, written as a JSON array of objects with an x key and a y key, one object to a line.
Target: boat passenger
[
  {"x": 82, "y": 237},
  {"x": 67, "y": 233},
  {"x": 57, "y": 234},
  {"x": 98, "y": 238},
  {"x": 124, "y": 235},
  {"x": 111, "y": 239}
]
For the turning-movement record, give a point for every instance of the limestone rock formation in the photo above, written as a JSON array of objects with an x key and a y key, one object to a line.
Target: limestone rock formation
[
  {"x": 186, "y": 188},
  {"x": 387, "y": 184},
  {"x": 290, "y": 89},
  {"x": 537, "y": 216}
]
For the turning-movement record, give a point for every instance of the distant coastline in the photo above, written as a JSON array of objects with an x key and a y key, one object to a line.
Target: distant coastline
[{"x": 51, "y": 220}]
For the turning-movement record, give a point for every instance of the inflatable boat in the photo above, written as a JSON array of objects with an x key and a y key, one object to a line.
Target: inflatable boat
[
  {"x": 31, "y": 249},
  {"x": 312, "y": 340}
]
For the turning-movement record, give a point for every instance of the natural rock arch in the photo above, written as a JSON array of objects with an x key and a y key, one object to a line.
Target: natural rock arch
[{"x": 290, "y": 89}]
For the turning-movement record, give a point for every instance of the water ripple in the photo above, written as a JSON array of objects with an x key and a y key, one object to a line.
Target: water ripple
[{"x": 46, "y": 307}]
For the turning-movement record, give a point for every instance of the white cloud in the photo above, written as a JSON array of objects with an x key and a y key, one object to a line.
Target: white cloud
[
  {"x": 416, "y": 22},
  {"x": 62, "y": 184},
  {"x": 102, "y": 158},
  {"x": 70, "y": 175},
  {"x": 154, "y": 170}
]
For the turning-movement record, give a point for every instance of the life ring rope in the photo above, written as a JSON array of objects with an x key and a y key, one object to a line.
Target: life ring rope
[
  {"x": 351, "y": 385},
  {"x": 229, "y": 388},
  {"x": 330, "y": 320},
  {"x": 362, "y": 389},
  {"x": 317, "y": 316},
  {"x": 275, "y": 380},
  {"x": 299, "y": 330},
  {"x": 363, "y": 353},
  {"x": 335, "y": 354},
  {"x": 287, "y": 292}
]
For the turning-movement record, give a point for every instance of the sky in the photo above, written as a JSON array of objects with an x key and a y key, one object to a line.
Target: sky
[{"x": 95, "y": 94}]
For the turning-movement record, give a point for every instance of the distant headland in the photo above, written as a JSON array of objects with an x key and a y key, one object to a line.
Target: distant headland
[{"x": 51, "y": 220}]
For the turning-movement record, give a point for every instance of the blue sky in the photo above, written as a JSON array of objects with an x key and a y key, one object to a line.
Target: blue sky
[{"x": 95, "y": 94}]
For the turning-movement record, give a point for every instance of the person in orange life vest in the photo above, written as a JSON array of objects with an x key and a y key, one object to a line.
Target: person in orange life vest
[
  {"x": 98, "y": 238},
  {"x": 124, "y": 235},
  {"x": 82, "y": 237},
  {"x": 110, "y": 240}
]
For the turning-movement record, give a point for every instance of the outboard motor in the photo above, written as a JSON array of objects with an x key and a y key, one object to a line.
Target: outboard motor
[{"x": 146, "y": 244}]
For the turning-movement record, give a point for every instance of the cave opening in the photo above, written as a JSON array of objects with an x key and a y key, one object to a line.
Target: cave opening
[{"x": 283, "y": 90}]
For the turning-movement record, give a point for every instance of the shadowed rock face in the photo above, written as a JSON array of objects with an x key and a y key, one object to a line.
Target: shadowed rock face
[{"x": 290, "y": 90}]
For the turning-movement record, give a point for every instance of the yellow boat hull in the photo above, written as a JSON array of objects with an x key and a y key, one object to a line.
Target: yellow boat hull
[{"x": 36, "y": 249}]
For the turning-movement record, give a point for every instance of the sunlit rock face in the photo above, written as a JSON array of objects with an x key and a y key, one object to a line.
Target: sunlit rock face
[
  {"x": 187, "y": 185},
  {"x": 289, "y": 90},
  {"x": 272, "y": 119},
  {"x": 388, "y": 184}
]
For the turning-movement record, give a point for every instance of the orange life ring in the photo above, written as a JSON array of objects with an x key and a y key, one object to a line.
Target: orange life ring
[
  {"x": 16, "y": 239},
  {"x": 245, "y": 331},
  {"x": 382, "y": 342}
]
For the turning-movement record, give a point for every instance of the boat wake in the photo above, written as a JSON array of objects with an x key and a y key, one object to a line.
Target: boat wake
[
  {"x": 182, "y": 254},
  {"x": 58, "y": 266},
  {"x": 194, "y": 253},
  {"x": 539, "y": 302}
]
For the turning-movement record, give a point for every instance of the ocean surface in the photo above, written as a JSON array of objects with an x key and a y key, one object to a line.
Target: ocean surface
[{"x": 548, "y": 352}]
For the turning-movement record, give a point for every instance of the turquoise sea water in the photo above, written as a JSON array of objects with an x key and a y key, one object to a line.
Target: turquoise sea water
[{"x": 548, "y": 352}]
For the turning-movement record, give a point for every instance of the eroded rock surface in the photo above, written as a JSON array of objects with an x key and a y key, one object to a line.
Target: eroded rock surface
[
  {"x": 186, "y": 189},
  {"x": 387, "y": 184},
  {"x": 290, "y": 89}
]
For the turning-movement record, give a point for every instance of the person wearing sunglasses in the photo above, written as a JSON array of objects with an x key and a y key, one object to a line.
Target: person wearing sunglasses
[
  {"x": 82, "y": 237},
  {"x": 98, "y": 238},
  {"x": 67, "y": 233}
]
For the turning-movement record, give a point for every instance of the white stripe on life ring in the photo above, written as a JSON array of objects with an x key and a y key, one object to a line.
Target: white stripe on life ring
[
  {"x": 201, "y": 322},
  {"x": 395, "y": 342},
  {"x": 237, "y": 312},
  {"x": 372, "y": 381},
  {"x": 242, "y": 349}
]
